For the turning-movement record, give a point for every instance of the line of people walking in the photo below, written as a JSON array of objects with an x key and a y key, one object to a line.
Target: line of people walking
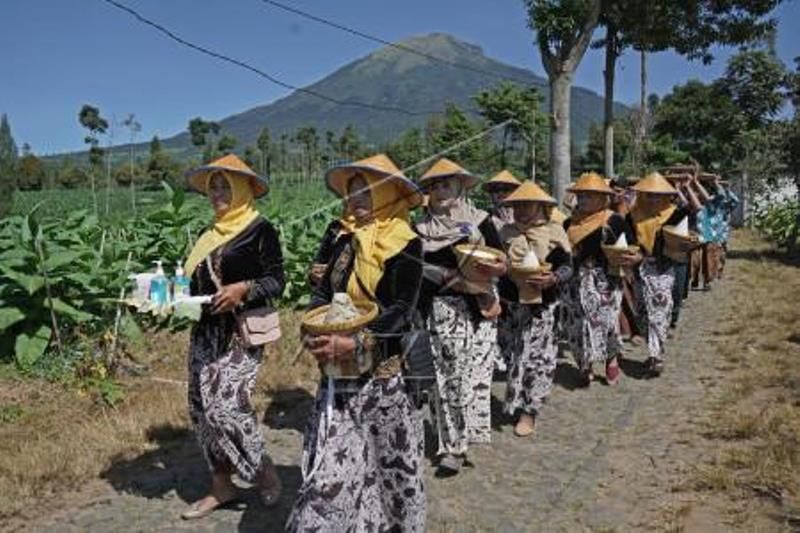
[{"x": 479, "y": 293}]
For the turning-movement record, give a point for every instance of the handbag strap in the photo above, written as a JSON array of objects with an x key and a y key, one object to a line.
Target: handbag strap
[{"x": 213, "y": 274}]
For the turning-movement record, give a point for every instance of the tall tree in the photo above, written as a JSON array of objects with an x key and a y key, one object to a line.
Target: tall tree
[
  {"x": 349, "y": 143},
  {"x": 564, "y": 30},
  {"x": 134, "y": 128},
  {"x": 509, "y": 101},
  {"x": 756, "y": 82},
  {"x": 89, "y": 117},
  {"x": 264, "y": 144},
  {"x": 689, "y": 28},
  {"x": 31, "y": 172},
  {"x": 309, "y": 140},
  {"x": 409, "y": 148},
  {"x": 226, "y": 144},
  {"x": 203, "y": 133},
  {"x": 8, "y": 161},
  {"x": 449, "y": 133}
]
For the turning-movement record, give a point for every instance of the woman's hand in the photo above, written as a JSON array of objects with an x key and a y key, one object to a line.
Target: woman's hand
[
  {"x": 228, "y": 297},
  {"x": 542, "y": 281},
  {"x": 330, "y": 347},
  {"x": 631, "y": 259},
  {"x": 316, "y": 273},
  {"x": 491, "y": 270}
]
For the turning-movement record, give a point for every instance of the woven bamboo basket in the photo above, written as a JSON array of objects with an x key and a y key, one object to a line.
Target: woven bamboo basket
[
  {"x": 469, "y": 256},
  {"x": 520, "y": 275},
  {"x": 677, "y": 246},
  {"x": 314, "y": 324},
  {"x": 614, "y": 257}
]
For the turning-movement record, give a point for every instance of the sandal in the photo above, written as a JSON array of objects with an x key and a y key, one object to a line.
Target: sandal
[
  {"x": 197, "y": 510},
  {"x": 450, "y": 465}
]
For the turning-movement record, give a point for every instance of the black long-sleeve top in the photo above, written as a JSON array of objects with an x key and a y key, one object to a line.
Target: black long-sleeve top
[
  {"x": 396, "y": 293},
  {"x": 446, "y": 258},
  {"x": 590, "y": 246},
  {"x": 674, "y": 219},
  {"x": 561, "y": 265},
  {"x": 255, "y": 256},
  {"x": 326, "y": 245}
]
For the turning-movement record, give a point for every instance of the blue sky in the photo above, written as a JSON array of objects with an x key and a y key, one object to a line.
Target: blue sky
[{"x": 60, "y": 54}]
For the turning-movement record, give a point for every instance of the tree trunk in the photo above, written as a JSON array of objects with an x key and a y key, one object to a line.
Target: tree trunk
[
  {"x": 641, "y": 127},
  {"x": 608, "y": 123},
  {"x": 560, "y": 85},
  {"x": 133, "y": 187},
  {"x": 503, "y": 148},
  {"x": 533, "y": 155}
]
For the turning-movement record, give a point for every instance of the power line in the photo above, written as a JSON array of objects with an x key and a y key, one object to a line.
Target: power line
[
  {"x": 222, "y": 57},
  {"x": 402, "y": 47}
]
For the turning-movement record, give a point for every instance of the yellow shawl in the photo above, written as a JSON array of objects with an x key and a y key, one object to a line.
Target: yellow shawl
[
  {"x": 229, "y": 225},
  {"x": 582, "y": 227},
  {"x": 648, "y": 224},
  {"x": 380, "y": 240}
]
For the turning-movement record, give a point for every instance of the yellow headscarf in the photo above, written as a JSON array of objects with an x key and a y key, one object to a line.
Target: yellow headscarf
[
  {"x": 648, "y": 223},
  {"x": 380, "y": 240},
  {"x": 229, "y": 225}
]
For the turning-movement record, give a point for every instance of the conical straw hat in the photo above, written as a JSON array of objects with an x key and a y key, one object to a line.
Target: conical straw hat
[
  {"x": 708, "y": 176},
  {"x": 530, "y": 192},
  {"x": 504, "y": 178},
  {"x": 444, "y": 168},
  {"x": 378, "y": 165},
  {"x": 591, "y": 182},
  {"x": 654, "y": 183},
  {"x": 198, "y": 177}
]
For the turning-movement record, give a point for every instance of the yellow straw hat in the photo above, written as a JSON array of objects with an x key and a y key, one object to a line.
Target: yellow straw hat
[
  {"x": 378, "y": 165},
  {"x": 654, "y": 183},
  {"x": 530, "y": 192},
  {"x": 444, "y": 168},
  {"x": 591, "y": 182},
  {"x": 504, "y": 178},
  {"x": 198, "y": 177}
]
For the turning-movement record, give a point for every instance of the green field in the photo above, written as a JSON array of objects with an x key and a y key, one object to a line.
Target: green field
[{"x": 62, "y": 266}]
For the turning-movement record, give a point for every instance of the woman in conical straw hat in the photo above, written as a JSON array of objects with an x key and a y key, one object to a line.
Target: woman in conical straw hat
[
  {"x": 363, "y": 446},
  {"x": 498, "y": 188},
  {"x": 533, "y": 237},
  {"x": 238, "y": 261},
  {"x": 460, "y": 315},
  {"x": 593, "y": 297},
  {"x": 654, "y": 209}
]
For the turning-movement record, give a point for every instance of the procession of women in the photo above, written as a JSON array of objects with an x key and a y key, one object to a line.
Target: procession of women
[{"x": 425, "y": 293}]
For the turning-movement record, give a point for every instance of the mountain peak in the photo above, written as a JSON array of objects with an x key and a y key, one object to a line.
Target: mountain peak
[{"x": 437, "y": 45}]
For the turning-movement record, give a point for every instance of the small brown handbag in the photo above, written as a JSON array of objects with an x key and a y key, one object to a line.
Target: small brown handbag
[{"x": 257, "y": 326}]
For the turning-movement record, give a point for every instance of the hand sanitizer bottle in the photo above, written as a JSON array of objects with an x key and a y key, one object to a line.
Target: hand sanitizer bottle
[
  {"x": 159, "y": 286},
  {"x": 180, "y": 284}
]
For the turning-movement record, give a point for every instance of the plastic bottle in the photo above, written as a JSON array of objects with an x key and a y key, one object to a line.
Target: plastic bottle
[
  {"x": 159, "y": 286},
  {"x": 180, "y": 284}
]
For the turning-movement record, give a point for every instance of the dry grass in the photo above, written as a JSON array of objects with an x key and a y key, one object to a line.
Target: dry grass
[
  {"x": 755, "y": 425},
  {"x": 54, "y": 440}
]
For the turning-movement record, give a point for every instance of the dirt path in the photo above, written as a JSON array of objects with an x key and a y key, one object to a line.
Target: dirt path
[{"x": 602, "y": 459}]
